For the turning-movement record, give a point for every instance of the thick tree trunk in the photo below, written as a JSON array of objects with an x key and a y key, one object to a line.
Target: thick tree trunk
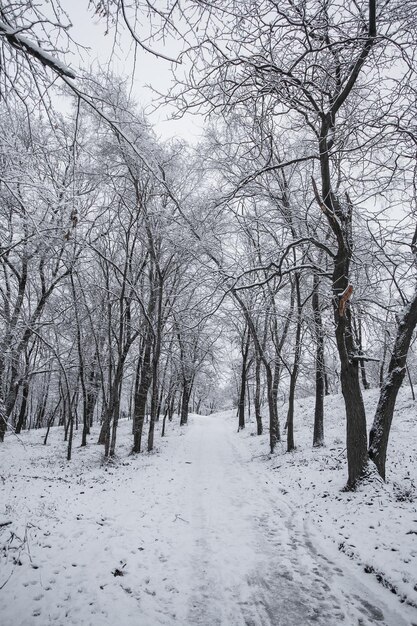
[
  {"x": 92, "y": 396},
  {"x": 275, "y": 388},
  {"x": 295, "y": 368},
  {"x": 164, "y": 420},
  {"x": 186, "y": 394},
  {"x": 105, "y": 424},
  {"x": 356, "y": 435},
  {"x": 23, "y": 407},
  {"x": 274, "y": 434},
  {"x": 243, "y": 379},
  {"x": 257, "y": 395},
  {"x": 3, "y": 420},
  {"x": 81, "y": 368},
  {"x": 291, "y": 400},
  {"x": 155, "y": 365},
  {"x": 379, "y": 435},
  {"x": 111, "y": 451},
  {"x": 13, "y": 389},
  {"x": 318, "y": 433},
  {"x": 171, "y": 407},
  {"x": 154, "y": 409},
  {"x": 241, "y": 402},
  {"x": 70, "y": 434},
  {"x": 340, "y": 220},
  {"x": 141, "y": 395}
]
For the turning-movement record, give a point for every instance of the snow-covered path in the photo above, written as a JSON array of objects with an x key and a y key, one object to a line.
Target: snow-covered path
[
  {"x": 190, "y": 536},
  {"x": 252, "y": 561}
]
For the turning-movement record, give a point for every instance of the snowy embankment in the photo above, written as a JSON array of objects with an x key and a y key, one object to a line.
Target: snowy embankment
[
  {"x": 376, "y": 526},
  {"x": 208, "y": 530}
]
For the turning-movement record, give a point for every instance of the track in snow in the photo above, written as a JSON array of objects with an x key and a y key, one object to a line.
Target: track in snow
[{"x": 255, "y": 563}]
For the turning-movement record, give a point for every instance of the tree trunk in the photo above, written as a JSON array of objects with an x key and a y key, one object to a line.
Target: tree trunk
[
  {"x": 257, "y": 395},
  {"x": 243, "y": 378},
  {"x": 186, "y": 394},
  {"x": 356, "y": 435},
  {"x": 274, "y": 434},
  {"x": 164, "y": 420},
  {"x": 51, "y": 421},
  {"x": 275, "y": 385},
  {"x": 295, "y": 368},
  {"x": 383, "y": 360},
  {"x": 116, "y": 413},
  {"x": 155, "y": 365},
  {"x": 3, "y": 420},
  {"x": 23, "y": 407},
  {"x": 71, "y": 430},
  {"x": 379, "y": 435},
  {"x": 326, "y": 380},
  {"x": 141, "y": 395},
  {"x": 340, "y": 221},
  {"x": 41, "y": 409},
  {"x": 171, "y": 407},
  {"x": 357, "y": 325},
  {"x": 318, "y": 434},
  {"x": 111, "y": 414},
  {"x": 154, "y": 409}
]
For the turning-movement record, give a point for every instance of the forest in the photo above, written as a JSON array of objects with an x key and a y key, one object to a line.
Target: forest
[{"x": 146, "y": 280}]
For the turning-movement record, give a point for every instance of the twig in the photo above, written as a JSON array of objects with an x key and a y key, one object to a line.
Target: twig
[{"x": 7, "y": 579}]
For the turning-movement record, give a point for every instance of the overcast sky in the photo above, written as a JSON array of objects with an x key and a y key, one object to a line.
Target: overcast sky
[{"x": 89, "y": 31}]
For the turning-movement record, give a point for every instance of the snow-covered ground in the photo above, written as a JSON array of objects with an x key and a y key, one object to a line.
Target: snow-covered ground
[
  {"x": 376, "y": 526},
  {"x": 208, "y": 530}
]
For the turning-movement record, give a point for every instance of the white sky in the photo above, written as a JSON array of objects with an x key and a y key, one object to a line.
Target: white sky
[{"x": 89, "y": 31}]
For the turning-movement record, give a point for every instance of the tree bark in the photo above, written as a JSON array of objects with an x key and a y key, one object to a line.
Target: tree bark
[
  {"x": 358, "y": 333},
  {"x": 295, "y": 368},
  {"x": 186, "y": 394},
  {"x": 23, "y": 407},
  {"x": 155, "y": 365},
  {"x": 243, "y": 378},
  {"x": 257, "y": 395},
  {"x": 379, "y": 435},
  {"x": 340, "y": 220},
  {"x": 274, "y": 435},
  {"x": 141, "y": 395},
  {"x": 318, "y": 434}
]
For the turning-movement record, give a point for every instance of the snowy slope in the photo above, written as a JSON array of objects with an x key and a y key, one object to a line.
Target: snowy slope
[
  {"x": 377, "y": 526},
  {"x": 206, "y": 531}
]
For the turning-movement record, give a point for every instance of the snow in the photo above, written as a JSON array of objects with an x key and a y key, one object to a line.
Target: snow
[
  {"x": 36, "y": 51},
  {"x": 376, "y": 526},
  {"x": 208, "y": 530}
]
